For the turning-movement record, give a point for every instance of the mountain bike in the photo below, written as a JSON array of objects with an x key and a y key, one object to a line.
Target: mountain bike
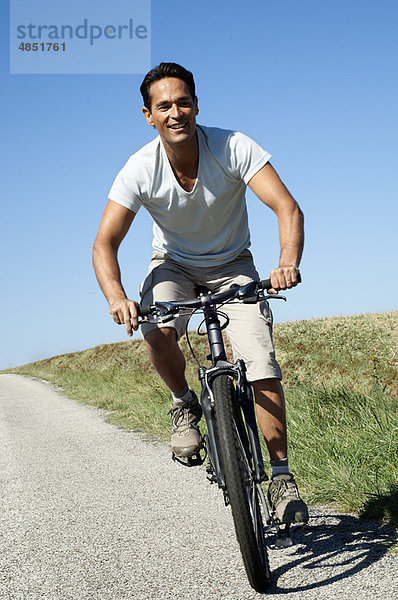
[{"x": 232, "y": 444}]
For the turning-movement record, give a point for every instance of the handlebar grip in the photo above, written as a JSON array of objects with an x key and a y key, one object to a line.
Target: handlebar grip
[
  {"x": 145, "y": 310},
  {"x": 265, "y": 284}
]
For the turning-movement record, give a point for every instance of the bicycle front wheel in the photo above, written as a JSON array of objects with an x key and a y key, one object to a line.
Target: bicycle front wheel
[{"x": 241, "y": 486}]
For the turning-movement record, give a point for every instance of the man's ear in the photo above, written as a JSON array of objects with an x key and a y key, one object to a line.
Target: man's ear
[
  {"x": 196, "y": 106},
  {"x": 148, "y": 116}
]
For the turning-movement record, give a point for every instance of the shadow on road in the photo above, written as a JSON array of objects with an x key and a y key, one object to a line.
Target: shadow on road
[{"x": 330, "y": 548}]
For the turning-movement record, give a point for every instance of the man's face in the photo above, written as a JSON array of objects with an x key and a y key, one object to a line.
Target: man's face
[{"x": 173, "y": 111}]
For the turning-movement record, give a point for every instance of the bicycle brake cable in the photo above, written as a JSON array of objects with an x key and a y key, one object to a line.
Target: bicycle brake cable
[
  {"x": 196, "y": 310},
  {"x": 219, "y": 314},
  {"x": 187, "y": 336}
]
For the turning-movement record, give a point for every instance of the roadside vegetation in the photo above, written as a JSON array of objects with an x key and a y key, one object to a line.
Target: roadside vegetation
[{"x": 341, "y": 389}]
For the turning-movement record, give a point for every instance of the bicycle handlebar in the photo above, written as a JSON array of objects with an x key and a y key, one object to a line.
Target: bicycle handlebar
[
  {"x": 266, "y": 284},
  {"x": 241, "y": 292},
  {"x": 203, "y": 300},
  {"x": 144, "y": 311}
]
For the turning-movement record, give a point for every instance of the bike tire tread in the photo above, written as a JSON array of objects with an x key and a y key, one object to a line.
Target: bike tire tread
[{"x": 257, "y": 572}]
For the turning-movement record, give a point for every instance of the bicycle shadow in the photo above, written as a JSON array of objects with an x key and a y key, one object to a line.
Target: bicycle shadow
[{"x": 331, "y": 548}]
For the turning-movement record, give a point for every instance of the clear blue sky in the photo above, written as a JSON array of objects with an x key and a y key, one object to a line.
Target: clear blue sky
[{"x": 315, "y": 83}]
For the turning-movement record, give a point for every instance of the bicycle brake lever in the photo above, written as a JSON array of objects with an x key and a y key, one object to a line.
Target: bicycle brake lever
[{"x": 275, "y": 297}]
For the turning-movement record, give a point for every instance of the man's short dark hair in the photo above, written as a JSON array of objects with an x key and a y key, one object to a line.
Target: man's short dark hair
[{"x": 163, "y": 70}]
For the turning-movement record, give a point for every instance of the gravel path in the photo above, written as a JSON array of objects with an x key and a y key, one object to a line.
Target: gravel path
[{"x": 91, "y": 512}]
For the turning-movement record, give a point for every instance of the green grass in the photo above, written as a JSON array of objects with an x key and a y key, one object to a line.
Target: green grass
[{"x": 341, "y": 390}]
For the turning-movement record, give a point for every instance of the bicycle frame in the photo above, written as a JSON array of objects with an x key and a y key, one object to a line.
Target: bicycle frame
[{"x": 220, "y": 365}]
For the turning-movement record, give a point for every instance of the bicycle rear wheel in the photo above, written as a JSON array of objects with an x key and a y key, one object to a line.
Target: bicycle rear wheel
[{"x": 241, "y": 487}]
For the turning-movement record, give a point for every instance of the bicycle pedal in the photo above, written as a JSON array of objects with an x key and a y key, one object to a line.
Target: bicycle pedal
[
  {"x": 189, "y": 461},
  {"x": 283, "y": 537},
  {"x": 284, "y": 542}
]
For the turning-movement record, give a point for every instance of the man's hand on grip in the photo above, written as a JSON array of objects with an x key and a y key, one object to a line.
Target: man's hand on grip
[
  {"x": 124, "y": 312},
  {"x": 283, "y": 278}
]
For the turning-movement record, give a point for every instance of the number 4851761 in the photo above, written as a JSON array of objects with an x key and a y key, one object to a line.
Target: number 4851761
[{"x": 42, "y": 46}]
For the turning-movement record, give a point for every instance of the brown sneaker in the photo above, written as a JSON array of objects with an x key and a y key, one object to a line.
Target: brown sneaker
[
  {"x": 285, "y": 501},
  {"x": 185, "y": 435}
]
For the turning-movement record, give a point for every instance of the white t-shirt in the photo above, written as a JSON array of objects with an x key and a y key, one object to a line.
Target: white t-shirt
[{"x": 207, "y": 226}]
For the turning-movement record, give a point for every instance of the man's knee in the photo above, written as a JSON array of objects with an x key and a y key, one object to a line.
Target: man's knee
[{"x": 160, "y": 341}]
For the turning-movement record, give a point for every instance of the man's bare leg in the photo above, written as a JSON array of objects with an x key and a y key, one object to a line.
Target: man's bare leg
[
  {"x": 166, "y": 357},
  {"x": 271, "y": 416},
  {"x": 186, "y": 412}
]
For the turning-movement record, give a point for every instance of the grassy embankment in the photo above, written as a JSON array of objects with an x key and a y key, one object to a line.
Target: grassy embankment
[{"x": 341, "y": 388}]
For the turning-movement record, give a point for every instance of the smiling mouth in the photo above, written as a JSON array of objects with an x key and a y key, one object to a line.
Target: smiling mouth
[{"x": 177, "y": 126}]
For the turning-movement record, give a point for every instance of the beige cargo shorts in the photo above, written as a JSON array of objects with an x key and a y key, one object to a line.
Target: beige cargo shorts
[{"x": 250, "y": 327}]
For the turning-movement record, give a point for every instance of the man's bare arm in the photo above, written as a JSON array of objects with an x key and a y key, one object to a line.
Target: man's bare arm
[
  {"x": 270, "y": 189},
  {"x": 114, "y": 225}
]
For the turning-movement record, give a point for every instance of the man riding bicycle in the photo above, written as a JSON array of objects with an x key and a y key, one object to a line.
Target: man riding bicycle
[{"x": 192, "y": 180}]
